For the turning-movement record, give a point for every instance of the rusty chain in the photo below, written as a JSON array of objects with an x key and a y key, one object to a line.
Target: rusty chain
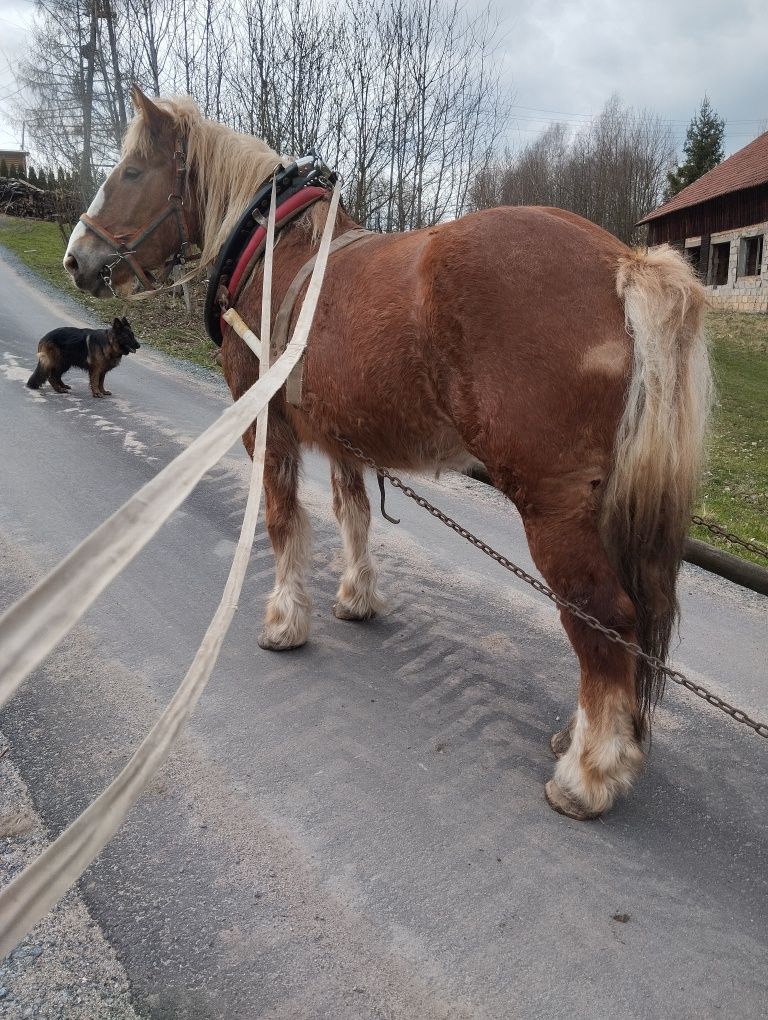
[
  {"x": 591, "y": 621},
  {"x": 716, "y": 529}
]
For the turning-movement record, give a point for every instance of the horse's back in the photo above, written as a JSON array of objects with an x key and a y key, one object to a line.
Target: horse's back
[
  {"x": 478, "y": 333},
  {"x": 523, "y": 301}
]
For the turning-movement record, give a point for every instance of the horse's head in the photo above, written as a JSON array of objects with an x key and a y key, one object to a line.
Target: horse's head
[{"x": 137, "y": 223}]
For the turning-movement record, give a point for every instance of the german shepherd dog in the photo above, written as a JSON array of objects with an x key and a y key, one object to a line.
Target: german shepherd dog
[{"x": 95, "y": 351}]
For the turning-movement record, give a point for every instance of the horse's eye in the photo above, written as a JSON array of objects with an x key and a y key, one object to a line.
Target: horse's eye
[{"x": 131, "y": 173}]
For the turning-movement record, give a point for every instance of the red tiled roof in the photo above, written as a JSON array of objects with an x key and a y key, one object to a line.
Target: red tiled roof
[{"x": 744, "y": 169}]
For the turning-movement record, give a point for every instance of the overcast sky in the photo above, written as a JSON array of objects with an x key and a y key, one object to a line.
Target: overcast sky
[{"x": 562, "y": 59}]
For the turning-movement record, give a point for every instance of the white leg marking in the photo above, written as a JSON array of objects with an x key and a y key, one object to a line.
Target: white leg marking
[
  {"x": 357, "y": 597},
  {"x": 604, "y": 757},
  {"x": 286, "y": 624}
]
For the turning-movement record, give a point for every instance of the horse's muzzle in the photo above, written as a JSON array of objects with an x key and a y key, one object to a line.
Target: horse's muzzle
[
  {"x": 86, "y": 261},
  {"x": 87, "y": 278}
]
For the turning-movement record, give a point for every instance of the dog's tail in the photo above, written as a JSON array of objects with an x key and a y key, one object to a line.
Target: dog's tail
[{"x": 40, "y": 374}]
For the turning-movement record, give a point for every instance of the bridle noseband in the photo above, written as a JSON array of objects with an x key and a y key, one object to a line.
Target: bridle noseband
[{"x": 126, "y": 246}]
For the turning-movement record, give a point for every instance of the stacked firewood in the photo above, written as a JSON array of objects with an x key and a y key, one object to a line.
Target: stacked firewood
[{"x": 20, "y": 198}]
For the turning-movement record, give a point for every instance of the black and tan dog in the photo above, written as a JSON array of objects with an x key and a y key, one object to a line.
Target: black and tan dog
[{"x": 97, "y": 351}]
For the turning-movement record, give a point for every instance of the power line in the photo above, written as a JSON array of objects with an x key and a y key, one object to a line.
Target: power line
[
  {"x": 671, "y": 121},
  {"x": 11, "y": 95}
]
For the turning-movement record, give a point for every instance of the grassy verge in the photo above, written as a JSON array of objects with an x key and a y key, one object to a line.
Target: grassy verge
[
  {"x": 161, "y": 322},
  {"x": 735, "y": 490}
]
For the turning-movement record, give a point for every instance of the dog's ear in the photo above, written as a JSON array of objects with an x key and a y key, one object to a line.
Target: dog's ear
[
  {"x": 126, "y": 322},
  {"x": 117, "y": 324}
]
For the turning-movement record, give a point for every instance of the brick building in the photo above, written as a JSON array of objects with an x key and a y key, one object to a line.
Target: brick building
[{"x": 721, "y": 220}]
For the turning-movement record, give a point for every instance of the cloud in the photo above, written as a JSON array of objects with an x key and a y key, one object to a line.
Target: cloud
[
  {"x": 15, "y": 19},
  {"x": 664, "y": 55},
  {"x": 562, "y": 59}
]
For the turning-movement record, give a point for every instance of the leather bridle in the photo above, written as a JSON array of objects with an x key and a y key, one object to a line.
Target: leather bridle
[{"x": 126, "y": 245}]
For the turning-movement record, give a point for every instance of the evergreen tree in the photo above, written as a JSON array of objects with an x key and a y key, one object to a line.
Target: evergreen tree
[
  {"x": 3, "y": 168},
  {"x": 703, "y": 149},
  {"x": 32, "y": 176}
]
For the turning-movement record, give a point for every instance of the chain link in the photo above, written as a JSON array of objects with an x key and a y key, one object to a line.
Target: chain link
[
  {"x": 716, "y": 529},
  {"x": 634, "y": 649}
]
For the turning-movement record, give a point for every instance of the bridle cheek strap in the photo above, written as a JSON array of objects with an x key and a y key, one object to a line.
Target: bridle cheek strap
[{"x": 126, "y": 246}]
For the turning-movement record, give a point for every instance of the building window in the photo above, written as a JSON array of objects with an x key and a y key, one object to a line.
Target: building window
[
  {"x": 751, "y": 255},
  {"x": 721, "y": 255},
  {"x": 694, "y": 257}
]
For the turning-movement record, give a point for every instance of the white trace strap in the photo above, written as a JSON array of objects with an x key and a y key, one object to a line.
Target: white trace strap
[
  {"x": 241, "y": 328},
  {"x": 31, "y": 628}
]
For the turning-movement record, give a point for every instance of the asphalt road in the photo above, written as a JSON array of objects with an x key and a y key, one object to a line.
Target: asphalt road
[{"x": 357, "y": 829}]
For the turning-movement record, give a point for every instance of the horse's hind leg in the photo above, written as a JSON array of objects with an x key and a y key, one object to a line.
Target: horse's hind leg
[
  {"x": 357, "y": 598},
  {"x": 286, "y": 623},
  {"x": 599, "y": 750}
]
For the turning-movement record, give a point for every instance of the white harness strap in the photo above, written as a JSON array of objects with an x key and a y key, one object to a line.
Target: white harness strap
[
  {"x": 293, "y": 386},
  {"x": 35, "y": 624},
  {"x": 283, "y": 320}
]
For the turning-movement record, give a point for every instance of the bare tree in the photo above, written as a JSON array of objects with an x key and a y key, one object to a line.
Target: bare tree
[
  {"x": 612, "y": 171},
  {"x": 74, "y": 97},
  {"x": 401, "y": 96}
]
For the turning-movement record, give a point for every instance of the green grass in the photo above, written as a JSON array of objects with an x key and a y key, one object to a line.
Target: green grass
[
  {"x": 161, "y": 322},
  {"x": 735, "y": 486}
]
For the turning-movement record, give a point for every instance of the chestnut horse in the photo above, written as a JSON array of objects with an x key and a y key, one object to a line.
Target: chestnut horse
[{"x": 529, "y": 339}]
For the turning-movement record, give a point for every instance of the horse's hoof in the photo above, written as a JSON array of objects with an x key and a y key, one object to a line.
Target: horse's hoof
[
  {"x": 565, "y": 804},
  {"x": 283, "y": 635},
  {"x": 345, "y": 612},
  {"x": 270, "y": 644},
  {"x": 560, "y": 742}
]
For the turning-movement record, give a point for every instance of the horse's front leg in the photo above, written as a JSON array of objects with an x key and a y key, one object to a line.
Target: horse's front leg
[
  {"x": 286, "y": 623},
  {"x": 357, "y": 597}
]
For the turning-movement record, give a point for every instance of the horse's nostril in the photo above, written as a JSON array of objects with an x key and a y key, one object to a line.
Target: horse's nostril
[{"x": 70, "y": 264}]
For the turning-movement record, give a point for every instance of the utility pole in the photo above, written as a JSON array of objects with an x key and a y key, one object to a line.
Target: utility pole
[
  {"x": 109, "y": 15},
  {"x": 89, "y": 52}
]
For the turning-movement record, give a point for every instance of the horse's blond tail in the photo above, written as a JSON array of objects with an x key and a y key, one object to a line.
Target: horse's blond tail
[{"x": 659, "y": 446}]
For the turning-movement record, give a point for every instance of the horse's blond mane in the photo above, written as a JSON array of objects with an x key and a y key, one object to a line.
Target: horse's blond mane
[{"x": 227, "y": 168}]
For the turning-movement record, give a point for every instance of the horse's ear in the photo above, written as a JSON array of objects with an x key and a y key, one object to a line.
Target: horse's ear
[{"x": 157, "y": 118}]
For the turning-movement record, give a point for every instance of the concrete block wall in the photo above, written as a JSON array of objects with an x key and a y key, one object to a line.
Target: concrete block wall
[{"x": 741, "y": 293}]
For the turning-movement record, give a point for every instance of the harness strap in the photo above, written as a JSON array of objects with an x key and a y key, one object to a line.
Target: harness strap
[
  {"x": 285, "y": 312},
  {"x": 254, "y": 250}
]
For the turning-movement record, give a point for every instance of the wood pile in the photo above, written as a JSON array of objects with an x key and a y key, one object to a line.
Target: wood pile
[{"x": 20, "y": 198}]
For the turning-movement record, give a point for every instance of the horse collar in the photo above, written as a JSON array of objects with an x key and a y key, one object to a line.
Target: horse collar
[{"x": 297, "y": 187}]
